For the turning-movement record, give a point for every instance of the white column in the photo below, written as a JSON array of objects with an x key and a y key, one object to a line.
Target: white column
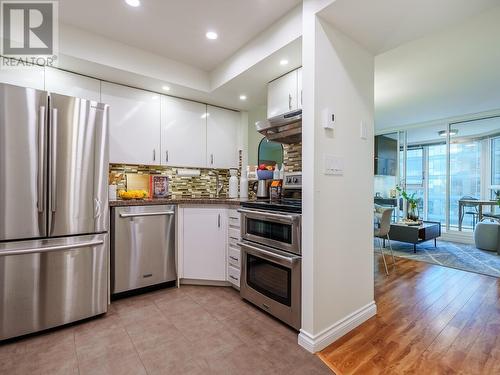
[{"x": 337, "y": 278}]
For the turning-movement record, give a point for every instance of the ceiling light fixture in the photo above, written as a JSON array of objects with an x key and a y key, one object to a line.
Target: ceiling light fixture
[
  {"x": 165, "y": 88},
  {"x": 284, "y": 62},
  {"x": 243, "y": 97},
  {"x": 444, "y": 133},
  {"x": 133, "y": 3},
  {"x": 212, "y": 35}
]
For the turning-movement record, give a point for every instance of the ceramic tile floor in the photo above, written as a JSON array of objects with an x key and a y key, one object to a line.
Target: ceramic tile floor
[{"x": 191, "y": 330}]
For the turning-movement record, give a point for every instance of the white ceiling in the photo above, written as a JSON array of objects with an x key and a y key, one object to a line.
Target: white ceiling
[
  {"x": 471, "y": 129},
  {"x": 385, "y": 24},
  {"x": 448, "y": 74},
  {"x": 176, "y": 28}
]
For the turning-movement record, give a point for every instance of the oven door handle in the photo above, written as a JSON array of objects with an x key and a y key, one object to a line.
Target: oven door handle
[
  {"x": 271, "y": 255},
  {"x": 269, "y": 214}
]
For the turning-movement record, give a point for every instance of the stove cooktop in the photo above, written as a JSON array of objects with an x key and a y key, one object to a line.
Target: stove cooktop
[{"x": 284, "y": 205}]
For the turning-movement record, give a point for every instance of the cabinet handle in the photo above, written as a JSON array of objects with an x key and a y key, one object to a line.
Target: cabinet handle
[
  {"x": 234, "y": 278},
  {"x": 211, "y": 159},
  {"x": 154, "y": 154},
  {"x": 218, "y": 220},
  {"x": 233, "y": 258},
  {"x": 166, "y": 156},
  {"x": 290, "y": 102}
]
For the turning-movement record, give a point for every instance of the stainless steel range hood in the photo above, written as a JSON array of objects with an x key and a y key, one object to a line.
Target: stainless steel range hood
[{"x": 286, "y": 128}]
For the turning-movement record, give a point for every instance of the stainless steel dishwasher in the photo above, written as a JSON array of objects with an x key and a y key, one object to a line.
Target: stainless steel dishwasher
[{"x": 142, "y": 246}]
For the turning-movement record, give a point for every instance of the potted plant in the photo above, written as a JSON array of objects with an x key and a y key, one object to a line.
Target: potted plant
[{"x": 412, "y": 204}]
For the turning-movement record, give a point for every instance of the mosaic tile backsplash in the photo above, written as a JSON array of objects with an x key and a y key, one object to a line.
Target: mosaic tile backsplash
[
  {"x": 292, "y": 157},
  {"x": 203, "y": 186}
]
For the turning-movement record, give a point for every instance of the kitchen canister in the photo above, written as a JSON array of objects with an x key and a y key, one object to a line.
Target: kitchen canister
[
  {"x": 243, "y": 185},
  {"x": 112, "y": 192},
  {"x": 233, "y": 183}
]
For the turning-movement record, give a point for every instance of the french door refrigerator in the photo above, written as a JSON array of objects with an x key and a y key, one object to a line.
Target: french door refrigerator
[{"x": 53, "y": 210}]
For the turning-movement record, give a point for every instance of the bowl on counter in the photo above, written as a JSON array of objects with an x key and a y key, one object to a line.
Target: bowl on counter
[{"x": 265, "y": 175}]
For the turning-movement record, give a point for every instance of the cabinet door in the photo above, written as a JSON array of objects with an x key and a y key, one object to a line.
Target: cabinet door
[
  {"x": 184, "y": 133},
  {"x": 282, "y": 95},
  {"x": 32, "y": 77},
  {"x": 65, "y": 83},
  {"x": 204, "y": 244},
  {"x": 222, "y": 137},
  {"x": 135, "y": 124},
  {"x": 299, "y": 88}
]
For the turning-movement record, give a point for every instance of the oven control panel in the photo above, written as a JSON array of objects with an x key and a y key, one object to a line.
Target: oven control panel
[{"x": 292, "y": 180}]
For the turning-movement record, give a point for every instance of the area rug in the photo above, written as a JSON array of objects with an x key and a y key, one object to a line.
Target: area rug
[{"x": 449, "y": 254}]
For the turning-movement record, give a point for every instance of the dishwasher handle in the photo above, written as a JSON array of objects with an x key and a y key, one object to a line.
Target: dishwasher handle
[
  {"x": 49, "y": 249},
  {"x": 139, "y": 214}
]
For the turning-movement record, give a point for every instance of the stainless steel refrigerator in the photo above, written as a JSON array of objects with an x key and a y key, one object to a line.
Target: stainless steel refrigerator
[{"x": 53, "y": 210}]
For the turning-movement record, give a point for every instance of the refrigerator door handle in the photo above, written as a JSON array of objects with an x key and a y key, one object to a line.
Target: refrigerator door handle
[
  {"x": 97, "y": 208},
  {"x": 41, "y": 159},
  {"x": 53, "y": 165},
  {"x": 49, "y": 249}
]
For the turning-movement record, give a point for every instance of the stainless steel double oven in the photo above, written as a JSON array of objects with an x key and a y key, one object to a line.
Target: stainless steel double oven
[{"x": 271, "y": 260}]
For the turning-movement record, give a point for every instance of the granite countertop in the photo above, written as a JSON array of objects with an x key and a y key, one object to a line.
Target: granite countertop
[{"x": 193, "y": 201}]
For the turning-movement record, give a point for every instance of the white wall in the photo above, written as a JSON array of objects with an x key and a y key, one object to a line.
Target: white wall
[
  {"x": 254, "y": 137},
  {"x": 338, "y": 289}
]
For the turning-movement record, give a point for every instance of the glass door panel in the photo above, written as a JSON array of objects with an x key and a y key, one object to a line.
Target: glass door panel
[{"x": 472, "y": 171}]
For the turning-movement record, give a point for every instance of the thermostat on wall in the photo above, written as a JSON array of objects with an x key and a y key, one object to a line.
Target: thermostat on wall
[{"x": 327, "y": 118}]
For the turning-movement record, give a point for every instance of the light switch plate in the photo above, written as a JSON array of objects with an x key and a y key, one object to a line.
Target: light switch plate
[{"x": 334, "y": 165}]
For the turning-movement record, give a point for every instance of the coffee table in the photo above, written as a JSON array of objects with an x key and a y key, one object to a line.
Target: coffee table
[{"x": 428, "y": 230}]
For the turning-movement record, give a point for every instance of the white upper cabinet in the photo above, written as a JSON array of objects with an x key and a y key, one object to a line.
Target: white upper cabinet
[
  {"x": 135, "y": 124},
  {"x": 222, "y": 137},
  {"x": 65, "y": 83},
  {"x": 32, "y": 77},
  {"x": 299, "y": 88},
  {"x": 282, "y": 94},
  {"x": 183, "y": 133}
]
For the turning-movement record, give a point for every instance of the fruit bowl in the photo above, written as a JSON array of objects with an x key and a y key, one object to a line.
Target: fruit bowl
[{"x": 264, "y": 175}]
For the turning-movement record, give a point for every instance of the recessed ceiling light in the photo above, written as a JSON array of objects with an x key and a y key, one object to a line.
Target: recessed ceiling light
[
  {"x": 284, "y": 62},
  {"x": 444, "y": 133},
  {"x": 243, "y": 97},
  {"x": 133, "y": 3},
  {"x": 166, "y": 88},
  {"x": 212, "y": 35}
]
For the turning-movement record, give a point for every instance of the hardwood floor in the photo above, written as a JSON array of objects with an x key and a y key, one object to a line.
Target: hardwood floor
[{"x": 430, "y": 320}]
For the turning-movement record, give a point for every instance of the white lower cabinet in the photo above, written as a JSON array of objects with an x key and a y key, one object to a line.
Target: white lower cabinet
[
  {"x": 233, "y": 250},
  {"x": 203, "y": 246}
]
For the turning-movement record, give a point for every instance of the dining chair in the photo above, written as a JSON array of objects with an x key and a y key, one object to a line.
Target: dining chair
[
  {"x": 381, "y": 232},
  {"x": 470, "y": 209}
]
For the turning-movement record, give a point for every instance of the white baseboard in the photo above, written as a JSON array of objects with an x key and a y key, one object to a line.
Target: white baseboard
[
  {"x": 315, "y": 343},
  {"x": 204, "y": 282}
]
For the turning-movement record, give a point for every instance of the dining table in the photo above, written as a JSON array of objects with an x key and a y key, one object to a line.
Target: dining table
[{"x": 480, "y": 203}]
